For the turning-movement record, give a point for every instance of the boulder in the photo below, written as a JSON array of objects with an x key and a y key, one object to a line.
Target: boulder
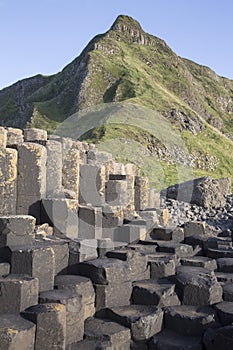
[{"x": 205, "y": 191}]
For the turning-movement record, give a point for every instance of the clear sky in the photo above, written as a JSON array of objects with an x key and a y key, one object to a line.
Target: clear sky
[{"x": 42, "y": 36}]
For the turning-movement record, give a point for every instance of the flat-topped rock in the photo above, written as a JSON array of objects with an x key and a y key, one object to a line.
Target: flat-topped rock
[
  {"x": 50, "y": 320},
  {"x": 225, "y": 312},
  {"x": 200, "y": 261},
  {"x": 197, "y": 286},
  {"x": 17, "y": 229},
  {"x": 225, "y": 264},
  {"x": 181, "y": 250},
  {"x": 106, "y": 330},
  {"x": 75, "y": 311},
  {"x": 82, "y": 286},
  {"x": 35, "y": 135},
  {"x": 105, "y": 270},
  {"x": 170, "y": 340},
  {"x": 224, "y": 277},
  {"x": 159, "y": 292},
  {"x": 168, "y": 234},
  {"x": 228, "y": 291},
  {"x": 219, "y": 253},
  {"x": 190, "y": 320},
  {"x": 17, "y": 293},
  {"x": 144, "y": 321},
  {"x": 16, "y": 333},
  {"x": 162, "y": 266}
]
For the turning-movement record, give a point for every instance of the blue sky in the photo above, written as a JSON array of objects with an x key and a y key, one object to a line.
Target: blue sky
[{"x": 43, "y": 36}]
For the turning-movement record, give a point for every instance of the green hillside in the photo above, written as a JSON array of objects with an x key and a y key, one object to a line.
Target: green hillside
[{"x": 127, "y": 64}]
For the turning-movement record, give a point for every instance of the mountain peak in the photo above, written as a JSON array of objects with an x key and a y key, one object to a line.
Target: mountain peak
[
  {"x": 130, "y": 30},
  {"x": 124, "y": 23}
]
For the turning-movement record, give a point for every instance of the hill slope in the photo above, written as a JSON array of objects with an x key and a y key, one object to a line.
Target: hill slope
[{"x": 127, "y": 64}]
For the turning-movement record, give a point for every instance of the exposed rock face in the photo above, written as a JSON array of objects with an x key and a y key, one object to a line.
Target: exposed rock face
[
  {"x": 205, "y": 192},
  {"x": 106, "y": 276}
]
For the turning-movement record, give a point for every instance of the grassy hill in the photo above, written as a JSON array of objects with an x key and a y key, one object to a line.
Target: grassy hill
[{"x": 128, "y": 65}]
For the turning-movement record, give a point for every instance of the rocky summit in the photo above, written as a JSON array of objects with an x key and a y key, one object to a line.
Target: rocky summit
[
  {"x": 91, "y": 257},
  {"x": 128, "y": 65}
]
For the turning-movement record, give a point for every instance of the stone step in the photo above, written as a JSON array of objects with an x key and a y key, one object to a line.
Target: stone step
[
  {"x": 144, "y": 321},
  {"x": 101, "y": 330},
  {"x": 190, "y": 320},
  {"x": 16, "y": 333},
  {"x": 159, "y": 292},
  {"x": 169, "y": 340},
  {"x": 200, "y": 261},
  {"x": 197, "y": 286}
]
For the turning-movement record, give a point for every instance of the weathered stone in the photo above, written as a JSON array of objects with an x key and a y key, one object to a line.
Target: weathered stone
[
  {"x": 224, "y": 277},
  {"x": 200, "y": 261},
  {"x": 50, "y": 320},
  {"x": 91, "y": 345},
  {"x": 216, "y": 339},
  {"x": 53, "y": 167},
  {"x": 168, "y": 234},
  {"x": 90, "y": 222},
  {"x": 82, "y": 250},
  {"x": 31, "y": 184},
  {"x": 4, "y": 268},
  {"x": 225, "y": 264},
  {"x": 16, "y": 333},
  {"x": 197, "y": 286},
  {"x": 161, "y": 266},
  {"x": 144, "y": 321},
  {"x": 155, "y": 292},
  {"x": 137, "y": 262},
  {"x": 164, "y": 216},
  {"x": 151, "y": 218},
  {"x": 105, "y": 245},
  {"x": 193, "y": 228},
  {"x": 92, "y": 185},
  {"x": 3, "y": 137},
  {"x": 190, "y": 320},
  {"x": 36, "y": 261},
  {"x": 228, "y": 291},
  {"x": 219, "y": 253},
  {"x": 70, "y": 171},
  {"x": 14, "y": 137},
  {"x": 116, "y": 193},
  {"x": 74, "y": 311},
  {"x": 170, "y": 340},
  {"x": 16, "y": 230},
  {"x": 104, "y": 330},
  {"x": 62, "y": 214},
  {"x": 17, "y": 293},
  {"x": 8, "y": 184},
  {"x": 35, "y": 135},
  {"x": 61, "y": 253},
  {"x": 181, "y": 250},
  {"x": 153, "y": 198},
  {"x": 129, "y": 233},
  {"x": 205, "y": 192},
  {"x": 105, "y": 271},
  {"x": 225, "y": 312},
  {"x": 96, "y": 157},
  {"x": 113, "y": 294},
  {"x": 82, "y": 286},
  {"x": 141, "y": 193}
]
